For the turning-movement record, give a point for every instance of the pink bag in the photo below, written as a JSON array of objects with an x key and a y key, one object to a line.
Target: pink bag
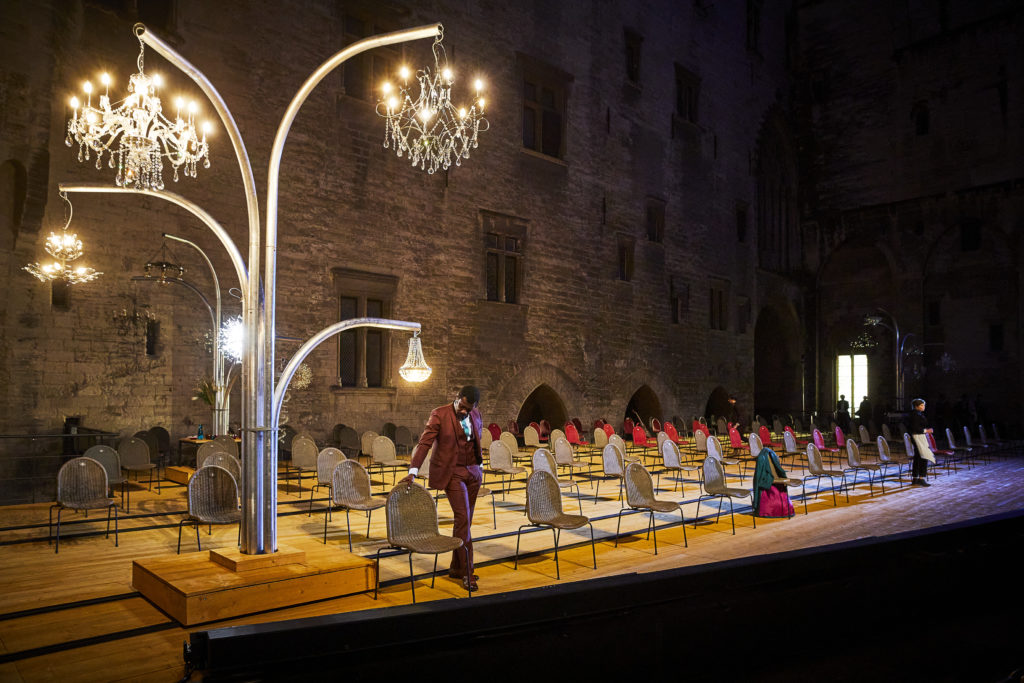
[{"x": 774, "y": 502}]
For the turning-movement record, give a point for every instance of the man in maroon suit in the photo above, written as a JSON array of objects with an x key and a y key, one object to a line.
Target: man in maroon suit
[{"x": 455, "y": 468}]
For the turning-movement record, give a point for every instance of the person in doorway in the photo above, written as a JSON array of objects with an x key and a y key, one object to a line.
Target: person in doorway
[
  {"x": 455, "y": 468},
  {"x": 919, "y": 425},
  {"x": 843, "y": 413},
  {"x": 864, "y": 411}
]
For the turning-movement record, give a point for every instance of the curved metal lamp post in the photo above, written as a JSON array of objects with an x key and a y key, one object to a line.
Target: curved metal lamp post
[
  {"x": 259, "y": 411},
  {"x": 877, "y": 321}
]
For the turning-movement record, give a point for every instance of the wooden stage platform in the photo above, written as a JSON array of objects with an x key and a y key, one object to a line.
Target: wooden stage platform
[{"x": 76, "y": 616}]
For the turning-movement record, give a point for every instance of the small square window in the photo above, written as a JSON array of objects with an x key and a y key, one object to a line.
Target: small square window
[
  {"x": 654, "y": 220},
  {"x": 544, "y": 103},
  {"x": 625, "y": 258},
  {"x": 687, "y": 94}
]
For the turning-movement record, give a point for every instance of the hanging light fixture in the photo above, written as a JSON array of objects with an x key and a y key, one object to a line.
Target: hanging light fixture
[
  {"x": 65, "y": 247},
  {"x": 415, "y": 368},
  {"x": 232, "y": 339},
  {"x": 144, "y": 136},
  {"x": 428, "y": 128},
  {"x": 162, "y": 268}
]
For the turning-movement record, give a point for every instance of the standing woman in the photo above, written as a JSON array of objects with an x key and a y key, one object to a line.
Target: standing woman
[{"x": 918, "y": 429}]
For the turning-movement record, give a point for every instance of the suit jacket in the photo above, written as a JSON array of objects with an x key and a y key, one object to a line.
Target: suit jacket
[{"x": 443, "y": 427}]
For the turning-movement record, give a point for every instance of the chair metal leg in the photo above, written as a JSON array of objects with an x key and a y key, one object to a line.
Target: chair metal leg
[
  {"x": 651, "y": 527},
  {"x": 593, "y": 549},
  {"x": 682, "y": 522},
  {"x": 518, "y": 535},
  {"x": 311, "y": 489},
  {"x": 182, "y": 522},
  {"x": 597, "y": 491},
  {"x": 696, "y": 516},
  {"x": 752, "y": 515},
  {"x": 376, "y": 585},
  {"x": 56, "y": 547},
  {"x": 412, "y": 583},
  {"x": 325, "y": 525},
  {"x": 618, "y": 526},
  {"x": 469, "y": 576},
  {"x": 199, "y": 545},
  {"x": 558, "y": 573},
  {"x": 434, "y": 574},
  {"x": 732, "y": 517}
]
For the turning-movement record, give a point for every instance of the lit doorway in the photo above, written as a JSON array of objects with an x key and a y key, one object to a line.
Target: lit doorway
[{"x": 852, "y": 377}]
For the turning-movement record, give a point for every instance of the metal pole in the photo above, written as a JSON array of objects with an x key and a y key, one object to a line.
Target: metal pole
[
  {"x": 220, "y": 425},
  {"x": 269, "y": 466}
]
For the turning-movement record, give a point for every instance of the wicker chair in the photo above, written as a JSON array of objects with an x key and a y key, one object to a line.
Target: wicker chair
[
  {"x": 854, "y": 464},
  {"x": 350, "y": 489},
  {"x": 600, "y": 439},
  {"x": 304, "y": 454},
  {"x": 163, "y": 443},
  {"x": 135, "y": 457},
  {"x": 205, "y": 450},
  {"x": 485, "y": 438},
  {"x": 228, "y": 462},
  {"x": 544, "y": 509},
  {"x": 640, "y": 497},
  {"x": 713, "y": 447},
  {"x": 531, "y": 437},
  {"x": 500, "y": 463},
  {"x": 154, "y": 449},
  {"x": 111, "y": 461},
  {"x": 509, "y": 439},
  {"x": 620, "y": 443},
  {"x": 964, "y": 451},
  {"x": 816, "y": 470},
  {"x": 348, "y": 442},
  {"x": 612, "y": 464},
  {"x": 715, "y": 487},
  {"x": 228, "y": 443},
  {"x": 326, "y": 461},
  {"x": 887, "y": 460},
  {"x": 384, "y": 456},
  {"x": 566, "y": 457},
  {"x": 212, "y": 499},
  {"x": 543, "y": 461},
  {"x": 412, "y": 526},
  {"x": 789, "y": 446},
  {"x": 366, "y": 440},
  {"x": 672, "y": 462},
  {"x": 82, "y": 485}
]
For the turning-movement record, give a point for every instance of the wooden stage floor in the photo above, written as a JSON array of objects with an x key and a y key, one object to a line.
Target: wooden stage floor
[{"x": 75, "y": 615}]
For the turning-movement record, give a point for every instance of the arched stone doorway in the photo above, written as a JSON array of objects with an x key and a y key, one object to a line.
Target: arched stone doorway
[
  {"x": 777, "y": 366},
  {"x": 643, "y": 405},
  {"x": 543, "y": 403},
  {"x": 718, "y": 403}
]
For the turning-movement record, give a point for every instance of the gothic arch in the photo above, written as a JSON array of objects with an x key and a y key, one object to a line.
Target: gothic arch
[{"x": 510, "y": 396}]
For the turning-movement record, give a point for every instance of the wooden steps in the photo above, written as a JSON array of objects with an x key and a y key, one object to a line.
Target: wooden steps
[{"x": 211, "y": 585}]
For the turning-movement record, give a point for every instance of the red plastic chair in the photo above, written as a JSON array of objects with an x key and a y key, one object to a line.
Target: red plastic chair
[
  {"x": 736, "y": 441},
  {"x": 627, "y": 427},
  {"x": 573, "y": 436},
  {"x": 699, "y": 426},
  {"x": 545, "y": 430},
  {"x": 673, "y": 435},
  {"x": 495, "y": 430},
  {"x": 819, "y": 441},
  {"x": 840, "y": 437},
  {"x": 640, "y": 440},
  {"x": 799, "y": 442},
  {"x": 947, "y": 455},
  {"x": 513, "y": 428},
  {"x": 578, "y": 424},
  {"x": 766, "y": 438},
  {"x": 608, "y": 429},
  {"x": 599, "y": 423}
]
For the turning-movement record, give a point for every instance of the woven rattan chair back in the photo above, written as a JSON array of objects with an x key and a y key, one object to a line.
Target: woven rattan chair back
[
  {"x": 326, "y": 461},
  {"x": 486, "y": 438},
  {"x": 555, "y": 435},
  {"x": 853, "y": 453},
  {"x": 883, "y": 449},
  {"x": 543, "y": 461},
  {"x": 814, "y": 464},
  {"x": 366, "y": 442},
  {"x": 600, "y": 438},
  {"x": 228, "y": 443},
  {"x": 304, "y": 452},
  {"x": 754, "y": 443},
  {"x": 509, "y": 440},
  {"x": 150, "y": 440},
  {"x": 639, "y": 486},
  {"x": 411, "y": 515},
  {"x": 111, "y": 461},
  {"x": 228, "y": 462},
  {"x": 205, "y": 450},
  {"x": 611, "y": 460},
  {"x": 714, "y": 447},
  {"x": 81, "y": 484},
  {"x": 134, "y": 452},
  {"x": 348, "y": 442},
  {"x": 662, "y": 438},
  {"x": 350, "y": 483},
  {"x": 213, "y": 495},
  {"x": 700, "y": 441},
  {"x": 670, "y": 455},
  {"x": 543, "y": 500},
  {"x": 500, "y": 456},
  {"x": 163, "y": 439},
  {"x": 383, "y": 450},
  {"x": 530, "y": 436},
  {"x": 789, "y": 442},
  {"x": 563, "y": 452},
  {"x": 618, "y": 442},
  {"x": 714, "y": 476},
  {"x": 404, "y": 439}
]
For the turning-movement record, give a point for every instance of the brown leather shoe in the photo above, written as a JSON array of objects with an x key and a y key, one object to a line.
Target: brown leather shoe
[
  {"x": 456, "y": 575},
  {"x": 470, "y": 586}
]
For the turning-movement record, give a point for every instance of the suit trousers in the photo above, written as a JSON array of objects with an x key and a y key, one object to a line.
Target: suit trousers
[{"x": 461, "y": 491}]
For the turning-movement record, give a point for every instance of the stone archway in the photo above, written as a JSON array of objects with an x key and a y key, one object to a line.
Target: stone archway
[
  {"x": 718, "y": 403},
  {"x": 543, "y": 403},
  {"x": 777, "y": 367},
  {"x": 510, "y": 397},
  {"x": 643, "y": 405}
]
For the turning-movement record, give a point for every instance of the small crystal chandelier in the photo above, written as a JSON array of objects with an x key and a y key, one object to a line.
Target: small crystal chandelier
[
  {"x": 144, "y": 135},
  {"x": 232, "y": 339},
  {"x": 428, "y": 128},
  {"x": 65, "y": 247},
  {"x": 415, "y": 368}
]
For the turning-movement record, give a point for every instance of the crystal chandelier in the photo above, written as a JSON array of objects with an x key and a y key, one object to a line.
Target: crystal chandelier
[
  {"x": 232, "y": 339},
  {"x": 162, "y": 268},
  {"x": 415, "y": 368},
  {"x": 143, "y": 135},
  {"x": 428, "y": 127},
  {"x": 65, "y": 247}
]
